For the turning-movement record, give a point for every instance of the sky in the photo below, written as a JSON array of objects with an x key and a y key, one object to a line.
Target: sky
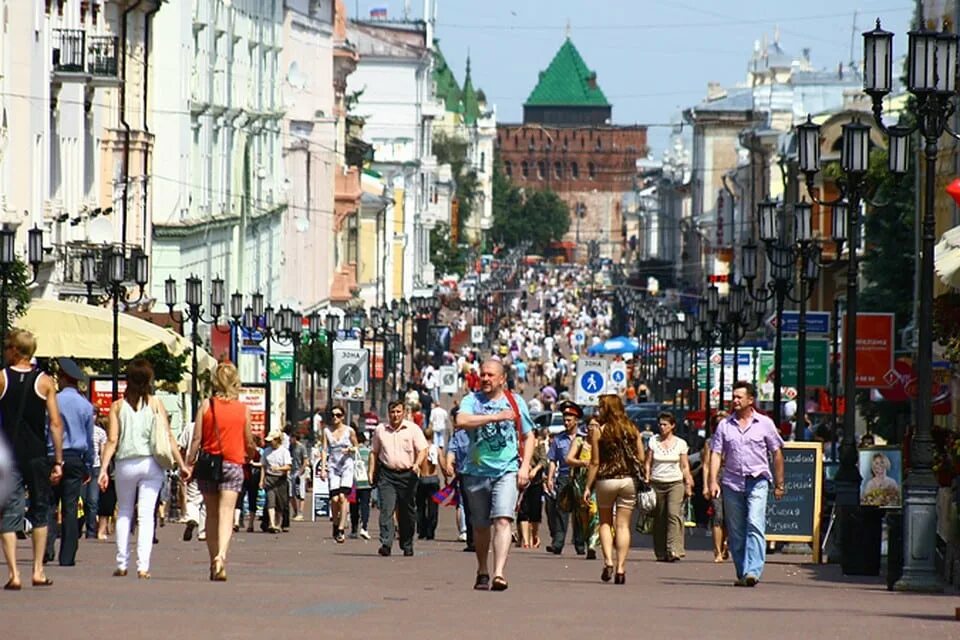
[{"x": 653, "y": 58}]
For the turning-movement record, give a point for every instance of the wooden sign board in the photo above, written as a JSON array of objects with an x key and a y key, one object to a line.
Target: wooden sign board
[{"x": 796, "y": 517}]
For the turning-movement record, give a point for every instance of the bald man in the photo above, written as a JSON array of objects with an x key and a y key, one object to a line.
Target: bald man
[{"x": 493, "y": 470}]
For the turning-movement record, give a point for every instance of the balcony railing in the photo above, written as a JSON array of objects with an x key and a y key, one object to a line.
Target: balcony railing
[
  {"x": 75, "y": 52},
  {"x": 102, "y": 55},
  {"x": 68, "y": 50}
]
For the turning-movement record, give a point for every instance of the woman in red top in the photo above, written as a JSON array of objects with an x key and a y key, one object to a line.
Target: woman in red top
[{"x": 222, "y": 427}]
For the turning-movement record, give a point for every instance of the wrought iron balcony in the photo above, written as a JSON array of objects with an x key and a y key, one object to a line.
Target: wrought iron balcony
[
  {"x": 102, "y": 55},
  {"x": 68, "y": 50}
]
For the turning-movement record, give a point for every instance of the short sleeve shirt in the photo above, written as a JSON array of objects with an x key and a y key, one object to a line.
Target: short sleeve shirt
[{"x": 493, "y": 447}]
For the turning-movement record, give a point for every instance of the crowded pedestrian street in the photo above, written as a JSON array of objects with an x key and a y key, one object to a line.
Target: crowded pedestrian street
[{"x": 390, "y": 319}]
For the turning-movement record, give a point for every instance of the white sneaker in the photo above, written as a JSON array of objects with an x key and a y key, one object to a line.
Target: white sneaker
[
  {"x": 462, "y": 537},
  {"x": 364, "y": 534}
]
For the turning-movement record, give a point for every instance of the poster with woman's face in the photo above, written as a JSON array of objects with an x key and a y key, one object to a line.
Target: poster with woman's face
[{"x": 882, "y": 471}]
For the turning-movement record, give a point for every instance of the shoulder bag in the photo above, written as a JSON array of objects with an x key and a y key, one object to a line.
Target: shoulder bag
[
  {"x": 160, "y": 445},
  {"x": 517, "y": 421},
  {"x": 209, "y": 466},
  {"x": 646, "y": 496}
]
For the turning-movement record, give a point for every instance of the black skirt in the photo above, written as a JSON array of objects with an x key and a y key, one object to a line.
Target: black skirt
[{"x": 531, "y": 504}]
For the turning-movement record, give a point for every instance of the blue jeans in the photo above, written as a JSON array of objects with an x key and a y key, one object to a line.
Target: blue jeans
[
  {"x": 745, "y": 513},
  {"x": 91, "y": 503}
]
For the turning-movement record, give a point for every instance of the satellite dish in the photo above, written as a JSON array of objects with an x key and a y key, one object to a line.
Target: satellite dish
[
  {"x": 295, "y": 78},
  {"x": 100, "y": 231}
]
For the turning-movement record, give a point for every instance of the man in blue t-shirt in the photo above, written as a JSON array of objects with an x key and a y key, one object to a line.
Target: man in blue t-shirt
[{"x": 493, "y": 471}]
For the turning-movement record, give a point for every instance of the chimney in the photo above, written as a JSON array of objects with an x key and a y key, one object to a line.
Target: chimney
[
  {"x": 715, "y": 91},
  {"x": 592, "y": 80}
]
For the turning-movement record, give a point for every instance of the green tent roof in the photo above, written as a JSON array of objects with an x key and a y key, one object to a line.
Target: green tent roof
[
  {"x": 447, "y": 88},
  {"x": 567, "y": 82}
]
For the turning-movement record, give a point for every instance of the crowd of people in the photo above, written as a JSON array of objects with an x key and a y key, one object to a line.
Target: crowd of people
[{"x": 482, "y": 453}]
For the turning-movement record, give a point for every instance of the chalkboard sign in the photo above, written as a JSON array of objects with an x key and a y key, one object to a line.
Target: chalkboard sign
[{"x": 796, "y": 516}]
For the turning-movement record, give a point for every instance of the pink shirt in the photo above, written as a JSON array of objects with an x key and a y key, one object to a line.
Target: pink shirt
[{"x": 397, "y": 449}]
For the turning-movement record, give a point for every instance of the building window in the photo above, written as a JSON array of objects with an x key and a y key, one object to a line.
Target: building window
[
  {"x": 541, "y": 169},
  {"x": 574, "y": 170},
  {"x": 525, "y": 169},
  {"x": 548, "y": 144},
  {"x": 530, "y": 146},
  {"x": 558, "y": 170},
  {"x": 353, "y": 238},
  {"x": 508, "y": 169},
  {"x": 599, "y": 144},
  {"x": 591, "y": 170},
  {"x": 483, "y": 162}
]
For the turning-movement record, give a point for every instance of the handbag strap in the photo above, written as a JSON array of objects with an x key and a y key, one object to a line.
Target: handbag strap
[
  {"x": 517, "y": 421},
  {"x": 216, "y": 427}
]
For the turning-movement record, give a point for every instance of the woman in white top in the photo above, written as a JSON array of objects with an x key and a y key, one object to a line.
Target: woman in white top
[
  {"x": 138, "y": 475},
  {"x": 336, "y": 467},
  {"x": 668, "y": 470}
]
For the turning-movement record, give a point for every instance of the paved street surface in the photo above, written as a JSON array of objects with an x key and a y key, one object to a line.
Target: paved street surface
[{"x": 303, "y": 582}]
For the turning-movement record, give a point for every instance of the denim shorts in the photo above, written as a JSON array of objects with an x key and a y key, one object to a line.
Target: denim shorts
[
  {"x": 33, "y": 476},
  {"x": 491, "y": 498}
]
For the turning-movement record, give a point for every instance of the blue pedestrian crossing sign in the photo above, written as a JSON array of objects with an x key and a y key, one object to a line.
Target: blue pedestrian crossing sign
[
  {"x": 618, "y": 375},
  {"x": 591, "y": 380}
]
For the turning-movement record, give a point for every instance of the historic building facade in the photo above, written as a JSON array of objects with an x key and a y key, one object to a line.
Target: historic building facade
[{"x": 567, "y": 144}]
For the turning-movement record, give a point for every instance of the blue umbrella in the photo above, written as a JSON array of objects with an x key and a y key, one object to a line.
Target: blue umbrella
[{"x": 614, "y": 346}]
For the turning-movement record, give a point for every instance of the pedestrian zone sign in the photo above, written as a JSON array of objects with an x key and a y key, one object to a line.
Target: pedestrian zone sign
[
  {"x": 579, "y": 336},
  {"x": 476, "y": 334},
  {"x": 592, "y": 376},
  {"x": 618, "y": 375},
  {"x": 351, "y": 372},
  {"x": 448, "y": 379}
]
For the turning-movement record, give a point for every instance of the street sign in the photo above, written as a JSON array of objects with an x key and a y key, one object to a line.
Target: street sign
[
  {"x": 448, "y": 379},
  {"x": 476, "y": 334},
  {"x": 350, "y": 370},
  {"x": 618, "y": 375},
  {"x": 874, "y": 350},
  {"x": 817, "y": 322},
  {"x": 579, "y": 337},
  {"x": 281, "y": 368},
  {"x": 818, "y": 352},
  {"x": 744, "y": 371},
  {"x": 591, "y": 380}
]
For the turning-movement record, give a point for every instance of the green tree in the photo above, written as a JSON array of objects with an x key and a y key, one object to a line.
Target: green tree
[
  {"x": 314, "y": 355},
  {"x": 454, "y": 151},
  {"x": 18, "y": 295},
  {"x": 447, "y": 258},
  {"x": 540, "y": 217}
]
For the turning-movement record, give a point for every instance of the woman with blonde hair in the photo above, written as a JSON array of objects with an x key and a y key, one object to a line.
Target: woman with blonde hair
[
  {"x": 616, "y": 461},
  {"x": 139, "y": 476},
  {"x": 222, "y": 429}
]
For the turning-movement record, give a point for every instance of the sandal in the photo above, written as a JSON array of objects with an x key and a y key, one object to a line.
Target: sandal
[
  {"x": 12, "y": 586},
  {"x": 45, "y": 582},
  {"x": 499, "y": 584},
  {"x": 340, "y": 538},
  {"x": 482, "y": 583},
  {"x": 607, "y": 574}
]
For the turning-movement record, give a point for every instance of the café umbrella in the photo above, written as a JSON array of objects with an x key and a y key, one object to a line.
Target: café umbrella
[{"x": 619, "y": 345}]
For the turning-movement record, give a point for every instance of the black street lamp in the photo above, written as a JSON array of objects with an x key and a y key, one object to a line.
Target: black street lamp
[
  {"x": 8, "y": 258},
  {"x": 259, "y": 319},
  {"x": 112, "y": 276},
  {"x": 194, "y": 303},
  {"x": 707, "y": 311},
  {"x": 931, "y": 78},
  {"x": 332, "y": 323},
  {"x": 291, "y": 328}
]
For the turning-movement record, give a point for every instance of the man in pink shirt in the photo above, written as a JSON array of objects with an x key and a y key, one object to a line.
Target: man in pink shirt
[
  {"x": 396, "y": 453},
  {"x": 744, "y": 440}
]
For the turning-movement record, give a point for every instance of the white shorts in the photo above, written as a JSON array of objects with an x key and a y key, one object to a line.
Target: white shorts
[{"x": 341, "y": 480}]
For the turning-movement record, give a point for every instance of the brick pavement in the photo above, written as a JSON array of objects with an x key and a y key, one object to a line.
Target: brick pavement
[{"x": 304, "y": 582}]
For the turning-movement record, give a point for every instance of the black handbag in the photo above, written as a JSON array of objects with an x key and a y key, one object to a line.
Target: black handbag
[{"x": 209, "y": 466}]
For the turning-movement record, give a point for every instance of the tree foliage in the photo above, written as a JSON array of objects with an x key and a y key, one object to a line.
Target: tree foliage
[
  {"x": 314, "y": 355},
  {"x": 455, "y": 151},
  {"x": 539, "y": 217},
  {"x": 18, "y": 294},
  {"x": 447, "y": 258}
]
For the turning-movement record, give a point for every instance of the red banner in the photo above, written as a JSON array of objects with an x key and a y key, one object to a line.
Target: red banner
[{"x": 874, "y": 350}]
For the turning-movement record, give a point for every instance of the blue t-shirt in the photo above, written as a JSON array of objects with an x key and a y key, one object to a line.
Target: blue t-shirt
[
  {"x": 493, "y": 447},
  {"x": 459, "y": 446},
  {"x": 559, "y": 448}
]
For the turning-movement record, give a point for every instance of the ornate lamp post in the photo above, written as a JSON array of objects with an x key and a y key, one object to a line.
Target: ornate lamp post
[
  {"x": 260, "y": 319},
  {"x": 194, "y": 310},
  {"x": 8, "y": 258},
  {"x": 706, "y": 317},
  {"x": 931, "y": 77},
  {"x": 332, "y": 322},
  {"x": 112, "y": 276},
  {"x": 291, "y": 328}
]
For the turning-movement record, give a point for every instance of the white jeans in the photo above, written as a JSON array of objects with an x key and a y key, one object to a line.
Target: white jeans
[{"x": 138, "y": 479}]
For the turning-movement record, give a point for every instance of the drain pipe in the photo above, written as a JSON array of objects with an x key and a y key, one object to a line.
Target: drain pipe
[
  {"x": 147, "y": 27},
  {"x": 124, "y": 123}
]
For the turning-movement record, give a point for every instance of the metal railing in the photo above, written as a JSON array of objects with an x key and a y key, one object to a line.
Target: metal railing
[
  {"x": 102, "y": 55},
  {"x": 68, "y": 50}
]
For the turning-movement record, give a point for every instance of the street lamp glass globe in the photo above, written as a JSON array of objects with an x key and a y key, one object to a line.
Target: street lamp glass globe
[
  {"x": 141, "y": 268},
  {"x": 118, "y": 266},
  {"x": 808, "y": 146},
  {"x": 946, "y": 63},
  {"x": 812, "y": 264},
  {"x": 249, "y": 319},
  {"x": 769, "y": 223},
  {"x": 315, "y": 323},
  {"x": 257, "y": 303},
  {"x": 899, "y": 147},
  {"x": 332, "y": 321},
  {"x": 839, "y": 222},
  {"x": 736, "y": 299},
  {"x": 922, "y": 61},
  {"x": 297, "y": 326},
  {"x": 194, "y": 294},
  {"x": 170, "y": 292},
  {"x": 713, "y": 299},
  {"x": 35, "y": 245},
  {"x": 269, "y": 318},
  {"x": 236, "y": 305},
  {"x": 877, "y": 61},
  {"x": 802, "y": 222},
  {"x": 855, "y": 157},
  {"x": 7, "y": 241},
  {"x": 217, "y": 294},
  {"x": 88, "y": 268},
  {"x": 748, "y": 260}
]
